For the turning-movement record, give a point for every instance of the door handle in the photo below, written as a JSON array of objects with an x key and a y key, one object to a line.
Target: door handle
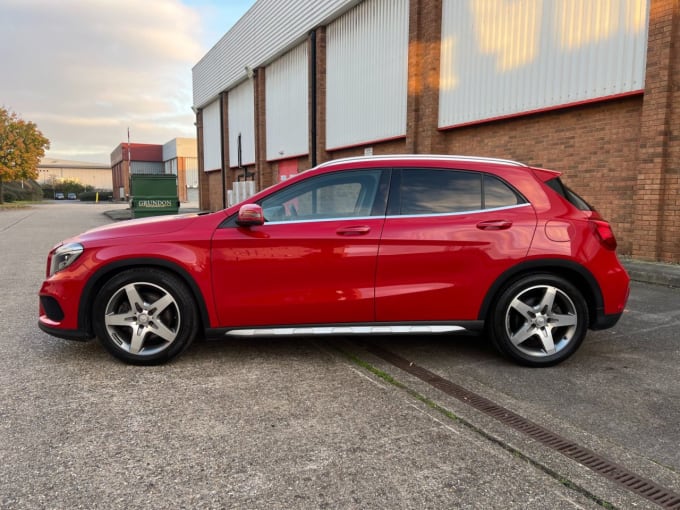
[
  {"x": 494, "y": 225},
  {"x": 354, "y": 231}
]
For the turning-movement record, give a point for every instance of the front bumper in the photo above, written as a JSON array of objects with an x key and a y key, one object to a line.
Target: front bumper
[{"x": 66, "y": 334}]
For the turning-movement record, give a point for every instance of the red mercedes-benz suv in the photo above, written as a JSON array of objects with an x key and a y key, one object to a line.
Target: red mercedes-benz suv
[{"x": 394, "y": 244}]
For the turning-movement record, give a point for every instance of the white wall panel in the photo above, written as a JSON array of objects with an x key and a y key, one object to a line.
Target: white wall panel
[
  {"x": 242, "y": 121},
  {"x": 212, "y": 149},
  {"x": 367, "y": 73},
  {"x": 504, "y": 57},
  {"x": 287, "y": 105},
  {"x": 268, "y": 29}
]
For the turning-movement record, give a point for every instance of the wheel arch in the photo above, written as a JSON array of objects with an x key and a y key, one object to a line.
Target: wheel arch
[
  {"x": 575, "y": 273},
  {"x": 105, "y": 273}
]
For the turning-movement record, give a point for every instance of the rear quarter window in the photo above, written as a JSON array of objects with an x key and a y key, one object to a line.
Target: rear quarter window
[{"x": 569, "y": 195}]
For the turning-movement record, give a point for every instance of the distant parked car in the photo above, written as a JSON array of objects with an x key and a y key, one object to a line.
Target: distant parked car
[
  {"x": 59, "y": 195},
  {"x": 399, "y": 244},
  {"x": 72, "y": 196}
]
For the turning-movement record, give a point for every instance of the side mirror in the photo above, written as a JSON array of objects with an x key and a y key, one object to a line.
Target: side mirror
[{"x": 250, "y": 215}]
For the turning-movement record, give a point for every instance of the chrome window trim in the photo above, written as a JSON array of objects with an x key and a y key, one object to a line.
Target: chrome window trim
[
  {"x": 321, "y": 220},
  {"x": 472, "y": 211},
  {"x": 393, "y": 216}
]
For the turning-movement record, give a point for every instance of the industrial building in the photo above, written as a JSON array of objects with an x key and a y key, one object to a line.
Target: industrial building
[
  {"x": 177, "y": 157},
  {"x": 588, "y": 88},
  {"x": 97, "y": 175}
]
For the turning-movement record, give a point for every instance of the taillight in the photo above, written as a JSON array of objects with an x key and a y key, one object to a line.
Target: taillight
[{"x": 604, "y": 233}]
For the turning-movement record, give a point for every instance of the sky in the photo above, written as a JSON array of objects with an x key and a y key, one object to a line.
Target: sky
[{"x": 86, "y": 71}]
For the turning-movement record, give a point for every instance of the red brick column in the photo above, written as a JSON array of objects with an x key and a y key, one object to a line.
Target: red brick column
[
  {"x": 422, "y": 109},
  {"x": 656, "y": 220},
  {"x": 263, "y": 172},
  {"x": 670, "y": 243},
  {"x": 320, "y": 64}
]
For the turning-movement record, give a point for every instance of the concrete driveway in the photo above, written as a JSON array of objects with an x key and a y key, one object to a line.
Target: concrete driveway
[{"x": 326, "y": 423}]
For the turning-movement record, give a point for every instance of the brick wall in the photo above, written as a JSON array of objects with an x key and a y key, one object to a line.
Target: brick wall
[
  {"x": 379, "y": 149},
  {"x": 213, "y": 196}
]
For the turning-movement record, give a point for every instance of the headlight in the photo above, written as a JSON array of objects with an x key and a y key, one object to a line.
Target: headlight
[{"x": 64, "y": 256}]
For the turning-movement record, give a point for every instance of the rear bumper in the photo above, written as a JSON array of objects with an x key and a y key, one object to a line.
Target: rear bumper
[{"x": 603, "y": 321}]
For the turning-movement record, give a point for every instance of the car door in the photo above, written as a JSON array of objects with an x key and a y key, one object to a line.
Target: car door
[
  {"x": 447, "y": 236},
  {"x": 312, "y": 262}
]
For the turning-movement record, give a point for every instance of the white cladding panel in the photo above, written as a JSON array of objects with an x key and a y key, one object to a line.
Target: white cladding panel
[
  {"x": 212, "y": 132},
  {"x": 170, "y": 150},
  {"x": 367, "y": 73},
  {"x": 503, "y": 58},
  {"x": 287, "y": 105},
  {"x": 179, "y": 147},
  {"x": 268, "y": 29},
  {"x": 242, "y": 121}
]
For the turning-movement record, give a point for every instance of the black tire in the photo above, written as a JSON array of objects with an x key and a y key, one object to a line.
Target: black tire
[
  {"x": 539, "y": 320},
  {"x": 145, "y": 316}
]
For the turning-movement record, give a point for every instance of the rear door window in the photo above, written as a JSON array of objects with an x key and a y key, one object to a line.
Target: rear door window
[
  {"x": 439, "y": 191},
  {"x": 434, "y": 191}
]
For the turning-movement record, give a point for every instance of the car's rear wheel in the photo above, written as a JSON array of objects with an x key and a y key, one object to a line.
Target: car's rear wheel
[
  {"x": 539, "y": 320},
  {"x": 145, "y": 316}
]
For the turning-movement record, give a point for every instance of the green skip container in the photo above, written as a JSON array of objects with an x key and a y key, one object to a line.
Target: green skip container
[{"x": 153, "y": 195}]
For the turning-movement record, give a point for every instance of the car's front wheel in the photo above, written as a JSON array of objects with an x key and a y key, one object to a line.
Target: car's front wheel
[
  {"x": 539, "y": 320},
  {"x": 145, "y": 316}
]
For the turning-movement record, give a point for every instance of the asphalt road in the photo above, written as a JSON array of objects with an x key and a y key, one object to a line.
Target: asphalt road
[{"x": 321, "y": 423}]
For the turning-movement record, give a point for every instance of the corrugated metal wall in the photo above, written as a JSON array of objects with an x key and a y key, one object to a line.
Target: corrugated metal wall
[
  {"x": 242, "y": 121},
  {"x": 147, "y": 167},
  {"x": 287, "y": 105},
  {"x": 367, "y": 73},
  {"x": 507, "y": 57},
  {"x": 212, "y": 150},
  {"x": 192, "y": 174},
  {"x": 268, "y": 29},
  {"x": 170, "y": 166}
]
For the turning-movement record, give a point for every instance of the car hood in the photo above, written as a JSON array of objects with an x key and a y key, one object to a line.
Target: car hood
[{"x": 140, "y": 227}]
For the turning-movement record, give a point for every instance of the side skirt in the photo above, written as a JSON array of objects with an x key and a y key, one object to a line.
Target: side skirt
[{"x": 347, "y": 329}]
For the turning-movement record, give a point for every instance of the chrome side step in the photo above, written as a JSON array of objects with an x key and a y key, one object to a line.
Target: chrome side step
[{"x": 346, "y": 330}]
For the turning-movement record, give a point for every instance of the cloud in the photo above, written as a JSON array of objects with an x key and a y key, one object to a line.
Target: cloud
[{"x": 85, "y": 70}]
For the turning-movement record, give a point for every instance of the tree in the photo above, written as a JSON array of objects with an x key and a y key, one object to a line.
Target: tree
[{"x": 22, "y": 146}]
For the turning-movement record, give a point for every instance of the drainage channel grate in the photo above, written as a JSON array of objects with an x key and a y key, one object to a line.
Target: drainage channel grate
[{"x": 601, "y": 465}]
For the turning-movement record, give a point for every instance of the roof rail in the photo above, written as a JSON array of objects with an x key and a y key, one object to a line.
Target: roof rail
[{"x": 432, "y": 157}]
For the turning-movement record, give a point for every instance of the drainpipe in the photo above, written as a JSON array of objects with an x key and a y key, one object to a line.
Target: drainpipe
[
  {"x": 312, "y": 38},
  {"x": 224, "y": 170}
]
